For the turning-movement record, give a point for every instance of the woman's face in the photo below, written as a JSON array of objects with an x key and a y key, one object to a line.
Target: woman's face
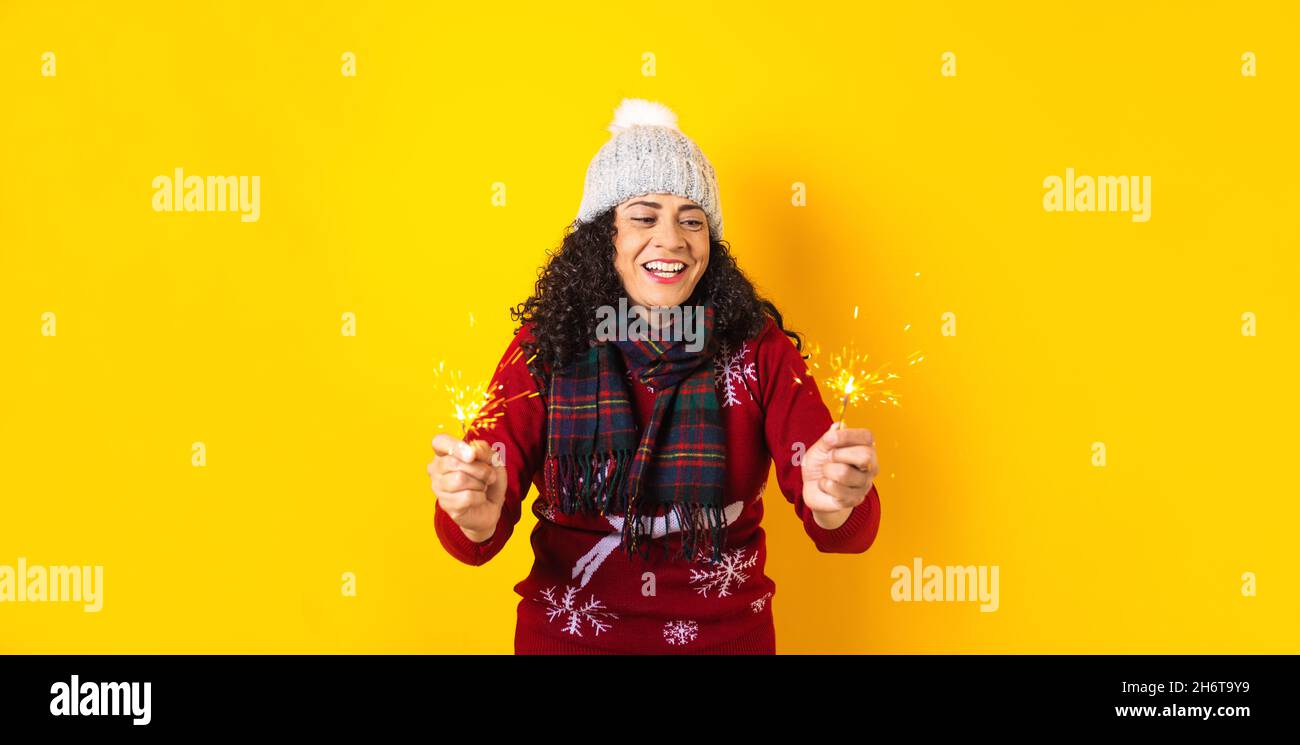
[{"x": 661, "y": 248}]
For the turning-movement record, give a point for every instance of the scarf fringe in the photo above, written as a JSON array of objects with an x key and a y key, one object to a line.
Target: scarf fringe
[
  {"x": 703, "y": 530},
  {"x": 585, "y": 484}
]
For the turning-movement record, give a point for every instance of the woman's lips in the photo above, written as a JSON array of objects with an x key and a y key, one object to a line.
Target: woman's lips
[
  {"x": 668, "y": 280},
  {"x": 665, "y": 272}
]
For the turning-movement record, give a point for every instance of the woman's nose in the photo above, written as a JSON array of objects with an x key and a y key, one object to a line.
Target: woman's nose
[{"x": 670, "y": 235}]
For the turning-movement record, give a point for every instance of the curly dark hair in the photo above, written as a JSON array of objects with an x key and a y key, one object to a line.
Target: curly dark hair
[{"x": 579, "y": 277}]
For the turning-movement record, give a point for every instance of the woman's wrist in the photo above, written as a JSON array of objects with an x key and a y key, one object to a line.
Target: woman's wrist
[
  {"x": 832, "y": 520},
  {"x": 478, "y": 536}
]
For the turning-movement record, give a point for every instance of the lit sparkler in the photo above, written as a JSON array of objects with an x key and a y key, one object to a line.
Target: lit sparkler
[
  {"x": 478, "y": 405},
  {"x": 849, "y": 375}
]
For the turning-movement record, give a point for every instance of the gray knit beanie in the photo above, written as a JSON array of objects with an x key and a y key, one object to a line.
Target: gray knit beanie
[{"x": 648, "y": 154}]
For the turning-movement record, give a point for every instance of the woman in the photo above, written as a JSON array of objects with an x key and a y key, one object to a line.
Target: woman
[{"x": 651, "y": 441}]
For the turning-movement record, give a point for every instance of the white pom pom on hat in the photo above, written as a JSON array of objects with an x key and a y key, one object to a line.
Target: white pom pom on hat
[
  {"x": 634, "y": 112},
  {"x": 647, "y": 153}
]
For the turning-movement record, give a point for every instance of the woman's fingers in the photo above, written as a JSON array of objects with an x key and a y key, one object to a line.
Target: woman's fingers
[
  {"x": 461, "y": 475},
  {"x": 838, "y": 438},
  {"x": 445, "y": 464},
  {"x": 473, "y": 463},
  {"x": 456, "y": 503},
  {"x": 461, "y": 481},
  {"x": 847, "y": 496},
  {"x": 853, "y": 459},
  {"x": 448, "y": 474},
  {"x": 846, "y": 475},
  {"x": 847, "y": 483},
  {"x": 478, "y": 469},
  {"x": 482, "y": 451},
  {"x": 861, "y": 456},
  {"x": 445, "y": 444}
]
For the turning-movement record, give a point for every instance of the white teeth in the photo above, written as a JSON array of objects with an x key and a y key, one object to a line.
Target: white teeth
[{"x": 665, "y": 266}]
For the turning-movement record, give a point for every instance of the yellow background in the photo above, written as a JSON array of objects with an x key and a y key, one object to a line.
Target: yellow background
[{"x": 1071, "y": 328}]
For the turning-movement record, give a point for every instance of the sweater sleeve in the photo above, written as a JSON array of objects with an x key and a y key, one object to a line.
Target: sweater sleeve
[
  {"x": 519, "y": 435},
  {"x": 794, "y": 418}
]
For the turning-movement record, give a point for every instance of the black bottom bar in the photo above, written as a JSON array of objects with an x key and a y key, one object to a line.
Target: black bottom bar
[{"x": 248, "y": 694}]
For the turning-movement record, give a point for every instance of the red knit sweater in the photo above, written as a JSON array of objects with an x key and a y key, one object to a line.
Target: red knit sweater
[{"x": 585, "y": 595}]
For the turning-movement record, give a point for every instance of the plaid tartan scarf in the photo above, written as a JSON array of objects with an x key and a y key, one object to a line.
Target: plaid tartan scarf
[{"x": 597, "y": 460}]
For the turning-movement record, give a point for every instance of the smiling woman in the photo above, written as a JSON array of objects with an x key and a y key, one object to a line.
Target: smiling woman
[
  {"x": 651, "y": 443},
  {"x": 662, "y": 248}
]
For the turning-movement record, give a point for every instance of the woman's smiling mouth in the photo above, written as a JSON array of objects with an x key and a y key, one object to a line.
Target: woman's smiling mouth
[{"x": 665, "y": 271}]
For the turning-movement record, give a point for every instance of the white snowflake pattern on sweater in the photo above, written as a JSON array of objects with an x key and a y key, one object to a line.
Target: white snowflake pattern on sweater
[
  {"x": 726, "y": 575},
  {"x": 730, "y": 371},
  {"x": 757, "y": 605},
  {"x": 593, "y": 612},
  {"x": 680, "y": 633}
]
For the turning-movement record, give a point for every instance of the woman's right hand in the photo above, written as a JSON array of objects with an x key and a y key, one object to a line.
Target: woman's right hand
[{"x": 469, "y": 487}]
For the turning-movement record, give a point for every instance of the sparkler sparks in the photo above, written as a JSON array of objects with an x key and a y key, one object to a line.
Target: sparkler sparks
[
  {"x": 476, "y": 405},
  {"x": 848, "y": 374}
]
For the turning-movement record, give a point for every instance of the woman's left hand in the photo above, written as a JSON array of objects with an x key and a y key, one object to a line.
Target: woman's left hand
[{"x": 838, "y": 471}]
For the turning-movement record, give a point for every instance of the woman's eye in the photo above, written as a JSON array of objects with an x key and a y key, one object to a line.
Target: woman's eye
[{"x": 650, "y": 220}]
